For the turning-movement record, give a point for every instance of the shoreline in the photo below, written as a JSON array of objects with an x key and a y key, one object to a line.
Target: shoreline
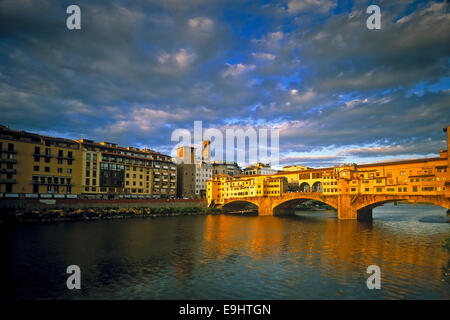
[{"x": 14, "y": 216}]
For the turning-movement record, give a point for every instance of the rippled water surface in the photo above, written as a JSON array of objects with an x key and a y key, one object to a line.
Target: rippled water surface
[{"x": 308, "y": 256}]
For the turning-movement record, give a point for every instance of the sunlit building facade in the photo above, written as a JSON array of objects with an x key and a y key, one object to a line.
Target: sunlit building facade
[
  {"x": 37, "y": 166},
  {"x": 33, "y": 165}
]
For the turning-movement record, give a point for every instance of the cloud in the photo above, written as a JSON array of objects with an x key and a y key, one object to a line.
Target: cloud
[
  {"x": 234, "y": 70},
  {"x": 263, "y": 56},
  {"x": 322, "y": 6},
  {"x": 137, "y": 71},
  {"x": 200, "y": 24}
]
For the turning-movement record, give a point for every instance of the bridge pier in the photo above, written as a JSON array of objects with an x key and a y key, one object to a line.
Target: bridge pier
[
  {"x": 265, "y": 208},
  {"x": 364, "y": 214}
]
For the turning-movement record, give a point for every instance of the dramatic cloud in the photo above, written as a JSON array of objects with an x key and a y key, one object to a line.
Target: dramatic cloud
[{"x": 136, "y": 71}]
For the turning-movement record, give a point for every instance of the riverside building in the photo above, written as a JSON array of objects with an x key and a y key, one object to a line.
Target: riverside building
[
  {"x": 37, "y": 166},
  {"x": 33, "y": 165}
]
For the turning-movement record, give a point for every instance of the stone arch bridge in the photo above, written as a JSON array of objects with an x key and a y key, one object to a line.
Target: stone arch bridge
[{"x": 348, "y": 206}]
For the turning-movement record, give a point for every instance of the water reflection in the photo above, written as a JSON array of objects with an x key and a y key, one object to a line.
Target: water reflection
[{"x": 308, "y": 256}]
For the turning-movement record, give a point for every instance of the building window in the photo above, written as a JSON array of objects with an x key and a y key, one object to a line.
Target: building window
[
  {"x": 87, "y": 182},
  {"x": 47, "y": 169},
  {"x": 69, "y": 170},
  {"x": 69, "y": 162},
  {"x": 69, "y": 154},
  {"x": 35, "y": 188},
  {"x": 94, "y": 182},
  {"x": 36, "y": 168},
  {"x": 88, "y": 156},
  {"x": 60, "y": 170},
  {"x": 60, "y": 153},
  {"x": 69, "y": 189},
  {"x": 49, "y": 189},
  {"x": 60, "y": 161},
  {"x": 37, "y": 150}
]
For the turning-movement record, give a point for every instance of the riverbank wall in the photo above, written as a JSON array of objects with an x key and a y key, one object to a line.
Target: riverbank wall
[
  {"x": 70, "y": 204},
  {"x": 24, "y": 211}
]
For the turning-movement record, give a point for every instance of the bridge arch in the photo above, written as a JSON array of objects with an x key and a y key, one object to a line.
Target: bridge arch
[
  {"x": 364, "y": 210},
  {"x": 304, "y": 187},
  {"x": 316, "y": 187},
  {"x": 240, "y": 204},
  {"x": 379, "y": 203},
  {"x": 287, "y": 206}
]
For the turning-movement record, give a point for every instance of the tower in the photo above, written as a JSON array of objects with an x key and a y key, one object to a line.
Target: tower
[{"x": 206, "y": 150}]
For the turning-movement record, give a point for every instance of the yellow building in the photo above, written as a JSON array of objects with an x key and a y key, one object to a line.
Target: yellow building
[
  {"x": 33, "y": 164},
  {"x": 295, "y": 168},
  {"x": 222, "y": 187},
  {"x": 111, "y": 171},
  {"x": 36, "y": 166},
  {"x": 425, "y": 177}
]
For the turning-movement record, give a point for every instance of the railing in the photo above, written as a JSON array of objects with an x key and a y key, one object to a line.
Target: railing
[
  {"x": 7, "y": 180},
  {"x": 7, "y": 151},
  {"x": 8, "y": 160}
]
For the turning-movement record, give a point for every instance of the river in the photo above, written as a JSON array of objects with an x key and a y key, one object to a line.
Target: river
[{"x": 308, "y": 256}]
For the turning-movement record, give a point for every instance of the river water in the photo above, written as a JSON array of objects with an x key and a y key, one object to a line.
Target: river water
[{"x": 308, "y": 256}]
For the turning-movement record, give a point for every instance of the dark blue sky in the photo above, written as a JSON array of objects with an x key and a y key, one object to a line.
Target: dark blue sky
[{"x": 137, "y": 70}]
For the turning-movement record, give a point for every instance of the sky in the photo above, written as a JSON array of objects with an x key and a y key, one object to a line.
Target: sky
[{"x": 137, "y": 70}]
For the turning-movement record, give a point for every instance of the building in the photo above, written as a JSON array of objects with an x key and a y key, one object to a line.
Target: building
[
  {"x": 37, "y": 166},
  {"x": 426, "y": 178},
  {"x": 230, "y": 168},
  {"x": 295, "y": 168},
  {"x": 224, "y": 187},
  {"x": 259, "y": 168},
  {"x": 193, "y": 173},
  {"x": 111, "y": 171},
  {"x": 33, "y": 165}
]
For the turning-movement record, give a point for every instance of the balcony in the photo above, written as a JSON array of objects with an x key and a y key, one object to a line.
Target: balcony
[
  {"x": 65, "y": 157},
  {"x": 4, "y": 170},
  {"x": 7, "y": 180},
  {"x": 52, "y": 183},
  {"x": 8, "y": 160},
  {"x": 7, "y": 151}
]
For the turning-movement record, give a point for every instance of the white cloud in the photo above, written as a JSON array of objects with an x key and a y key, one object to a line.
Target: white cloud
[
  {"x": 323, "y": 6},
  {"x": 234, "y": 70},
  {"x": 200, "y": 23},
  {"x": 263, "y": 56},
  {"x": 182, "y": 59}
]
